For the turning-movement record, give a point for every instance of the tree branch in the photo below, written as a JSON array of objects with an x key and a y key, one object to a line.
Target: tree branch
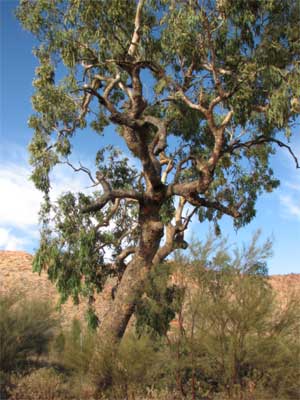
[
  {"x": 202, "y": 202},
  {"x": 261, "y": 140},
  {"x": 124, "y": 254},
  {"x": 137, "y": 26},
  {"x": 81, "y": 168},
  {"x": 110, "y": 195},
  {"x": 110, "y": 214},
  {"x": 188, "y": 219},
  {"x": 159, "y": 142},
  {"x": 170, "y": 166},
  {"x": 174, "y": 233}
]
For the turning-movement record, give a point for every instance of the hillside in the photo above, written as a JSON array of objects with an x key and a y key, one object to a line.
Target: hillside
[{"x": 16, "y": 274}]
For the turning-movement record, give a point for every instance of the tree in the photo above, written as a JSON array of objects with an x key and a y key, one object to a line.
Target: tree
[{"x": 222, "y": 91}]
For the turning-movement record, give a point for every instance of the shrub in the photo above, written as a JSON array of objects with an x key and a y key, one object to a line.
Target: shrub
[
  {"x": 231, "y": 337},
  {"x": 136, "y": 364},
  {"x": 42, "y": 384},
  {"x": 74, "y": 348},
  {"x": 26, "y": 328},
  {"x": 111, "y": 371}
]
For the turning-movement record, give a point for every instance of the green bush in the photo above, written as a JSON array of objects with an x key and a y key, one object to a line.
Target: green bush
[
  {"x": 232, "y": 333},
  {"x": 26, "y": 328},
  {"x": 231, "y": 339},
  {"x": 109, "y": 370},
  {"x": 42, "y": 384},
  {"x": 136, "y": 364},
  {"x": 74, "y": 348}
]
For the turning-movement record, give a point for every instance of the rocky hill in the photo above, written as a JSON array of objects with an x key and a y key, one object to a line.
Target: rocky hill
[{"x": 16, "y": 274}]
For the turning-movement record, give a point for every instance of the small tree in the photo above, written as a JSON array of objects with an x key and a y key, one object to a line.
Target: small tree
[
  {"x": 231, "y": 333},
  {"x": 222, "y": 83}
]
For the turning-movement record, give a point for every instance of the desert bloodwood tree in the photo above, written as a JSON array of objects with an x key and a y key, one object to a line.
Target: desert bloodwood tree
[{"x": 201, "y": 92}]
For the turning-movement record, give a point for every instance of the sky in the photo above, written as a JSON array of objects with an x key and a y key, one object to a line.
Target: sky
[{"x": 278, "y": 213}]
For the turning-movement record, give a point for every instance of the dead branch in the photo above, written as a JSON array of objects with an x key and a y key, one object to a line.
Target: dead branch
[{"x": 82, "y": 169}]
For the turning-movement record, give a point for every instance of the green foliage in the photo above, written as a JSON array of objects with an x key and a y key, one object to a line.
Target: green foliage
[
  {"x": 160, "y": 302},
  {"x": 131, "y": 367},
  {"x": 73, "y": 247},
  {"x": 76, "y": 348},
  {"x": 115, "y": 167},
  {"x": 26, "y": 328},
  {"x": 230, "y": 333},
  {"x": 75, "y": 250},
  {"x": 231, "y": 336},
  {"x": 167, "y": 211}
]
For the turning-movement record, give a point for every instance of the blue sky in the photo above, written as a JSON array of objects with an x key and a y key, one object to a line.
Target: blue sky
[{"x": 278, "y": 213}]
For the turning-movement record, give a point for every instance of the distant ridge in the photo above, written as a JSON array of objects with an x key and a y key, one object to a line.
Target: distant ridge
[{"x": 16, "y": 274}]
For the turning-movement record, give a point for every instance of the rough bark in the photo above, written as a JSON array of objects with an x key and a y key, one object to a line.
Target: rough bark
[{"x": 132, "y": 282}]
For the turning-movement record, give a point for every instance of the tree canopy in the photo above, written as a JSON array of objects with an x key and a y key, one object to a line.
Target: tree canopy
[{"x": 201, "y": 92}]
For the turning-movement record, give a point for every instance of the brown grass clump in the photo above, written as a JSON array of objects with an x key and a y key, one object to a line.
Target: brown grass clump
[{"x": 42, "y": 384}]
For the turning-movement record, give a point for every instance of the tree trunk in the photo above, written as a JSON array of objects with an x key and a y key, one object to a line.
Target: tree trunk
[
  {"x": 131, "y": 286},
  {"x": 115, "y": 322}
]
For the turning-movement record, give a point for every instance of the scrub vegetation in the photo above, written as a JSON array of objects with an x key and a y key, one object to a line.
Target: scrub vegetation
[
  {"x": 207, "y": 327},
  {"x": 202, "y": 94}
]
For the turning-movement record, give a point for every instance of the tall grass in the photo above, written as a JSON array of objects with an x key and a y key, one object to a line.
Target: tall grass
[{"x": 26, "y": 328}]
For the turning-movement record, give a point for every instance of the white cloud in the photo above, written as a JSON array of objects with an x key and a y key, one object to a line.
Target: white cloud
[
  {"x": 64, "y": 179},
  {"x": 291, "y": 205},
  {"x": 20, "y": 200},
  {"x": 290, "y": 199},
  {"x": 294, "y": 186},
  {"x": 9, "y": 241}
]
